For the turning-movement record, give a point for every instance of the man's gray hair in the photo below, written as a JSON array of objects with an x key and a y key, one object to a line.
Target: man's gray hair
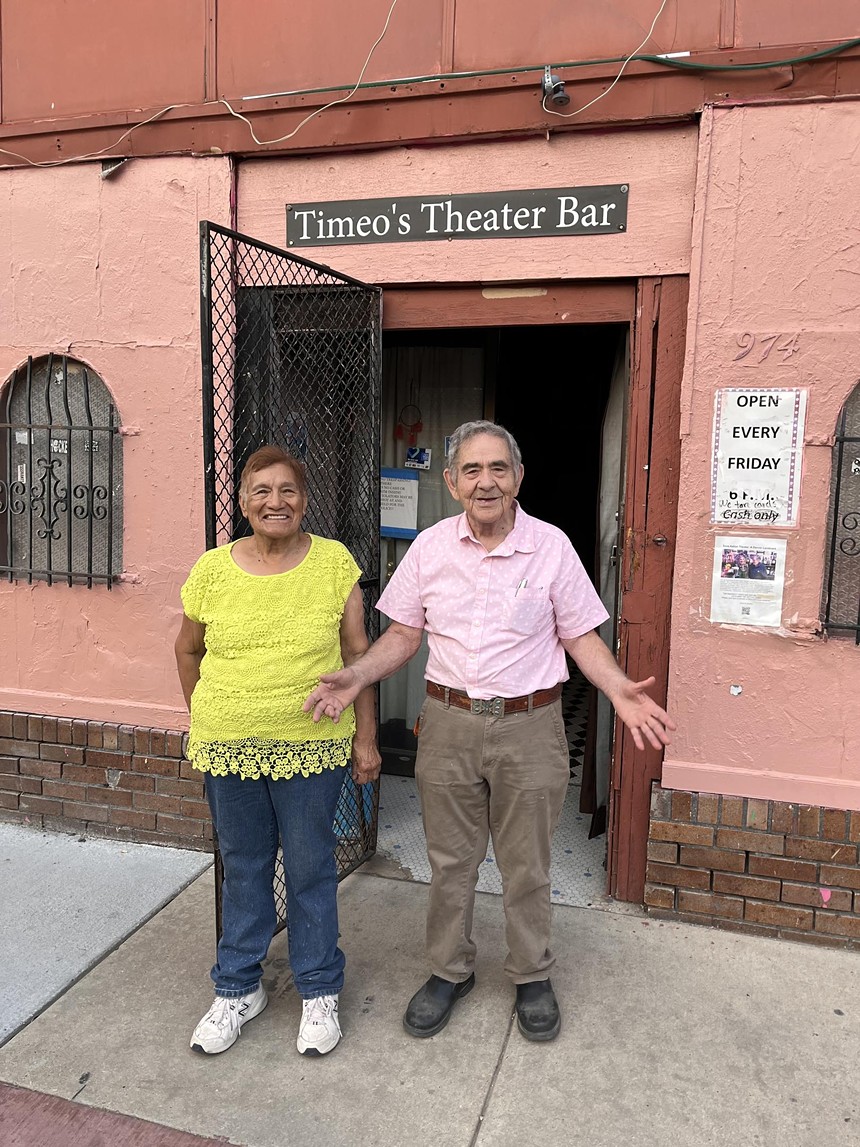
[{"x": 469, "y": 430}]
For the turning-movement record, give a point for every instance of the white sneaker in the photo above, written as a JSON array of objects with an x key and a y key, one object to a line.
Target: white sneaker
[
  {"x": 319, "y": 1031},
  {"x": 220, "y": 1027}
]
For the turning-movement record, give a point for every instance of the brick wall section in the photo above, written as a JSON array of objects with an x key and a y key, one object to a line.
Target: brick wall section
[
  {"x": 121, "y": 782},
  {"x": 758, "y": 866}
]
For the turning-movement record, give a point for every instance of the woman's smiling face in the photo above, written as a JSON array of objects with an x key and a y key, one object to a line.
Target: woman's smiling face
[{"x": 273, "y": 502}]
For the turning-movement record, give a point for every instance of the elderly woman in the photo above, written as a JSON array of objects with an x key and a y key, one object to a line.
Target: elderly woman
[{"x": 264, "y": 617}]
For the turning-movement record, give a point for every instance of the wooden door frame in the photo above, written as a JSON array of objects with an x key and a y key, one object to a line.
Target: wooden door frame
[
  {"x": 512, "y": 305},
  {"x": 648, "y": 558},
  {"x": 655, "y": 309}
]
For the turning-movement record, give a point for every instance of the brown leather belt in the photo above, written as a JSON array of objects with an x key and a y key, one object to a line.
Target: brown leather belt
[{"x": 494, "y": 706}]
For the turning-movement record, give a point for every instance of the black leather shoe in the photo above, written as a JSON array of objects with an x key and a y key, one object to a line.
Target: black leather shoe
[
  {"x": 431, "y": 1006},
  {"x": 538, "y": 1016}
]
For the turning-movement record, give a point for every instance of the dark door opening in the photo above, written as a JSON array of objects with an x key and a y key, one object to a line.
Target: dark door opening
[
  {"x": 551, "y": 393},
  {"x": 553, "y": 388}
]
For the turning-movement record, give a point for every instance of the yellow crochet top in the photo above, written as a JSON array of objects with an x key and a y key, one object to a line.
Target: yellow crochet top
[{"x": 268, "y": 640}]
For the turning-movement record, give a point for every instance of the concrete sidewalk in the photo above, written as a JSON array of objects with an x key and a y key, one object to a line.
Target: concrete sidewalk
[
  {"x": 672, "y": 1034},
  {"x": 67, "y": 900}
]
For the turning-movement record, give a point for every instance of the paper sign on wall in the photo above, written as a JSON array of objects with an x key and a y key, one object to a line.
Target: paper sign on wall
[
  {"x": 757, "y": 452},
  {"x": 398, "y": 503},
  {"x": 748, "y": 581}
]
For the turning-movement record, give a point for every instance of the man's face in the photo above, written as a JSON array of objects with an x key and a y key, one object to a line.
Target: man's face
[{"x": 486, "y": 482}]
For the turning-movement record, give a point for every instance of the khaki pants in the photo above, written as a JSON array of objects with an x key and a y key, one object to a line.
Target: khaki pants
[{"x": 478, "y": 776}]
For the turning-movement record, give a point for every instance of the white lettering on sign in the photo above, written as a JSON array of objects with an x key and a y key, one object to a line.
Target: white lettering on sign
[
  {"x": 529, "y": 212},
  {"x": 757, "y": 452},
  {"x": 569, "y": 213}
]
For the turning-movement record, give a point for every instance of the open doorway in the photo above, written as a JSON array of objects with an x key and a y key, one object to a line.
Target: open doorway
[{"x": 561, "y": 391}]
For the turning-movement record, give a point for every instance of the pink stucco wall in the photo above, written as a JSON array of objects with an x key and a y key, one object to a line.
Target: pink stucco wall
[
  {"x": 659, "y": 166},
  {"x": 107, "y": 271},
  {"x": 776, "y": 249}
]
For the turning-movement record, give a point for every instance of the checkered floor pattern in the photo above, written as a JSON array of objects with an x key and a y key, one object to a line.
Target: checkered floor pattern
[
  {"x": 574, "y": 708},
  {"x": 578, "y": 873}
]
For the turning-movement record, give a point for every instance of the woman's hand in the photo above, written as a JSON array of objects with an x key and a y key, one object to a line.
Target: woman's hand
[{"x": 366, "y": 760}]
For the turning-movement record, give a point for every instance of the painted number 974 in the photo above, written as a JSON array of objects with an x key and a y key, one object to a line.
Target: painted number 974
[{"x": 785, "y": 345}]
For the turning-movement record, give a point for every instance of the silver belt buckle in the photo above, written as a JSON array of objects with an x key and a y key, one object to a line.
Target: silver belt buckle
[{"x": 495, "y": 706}]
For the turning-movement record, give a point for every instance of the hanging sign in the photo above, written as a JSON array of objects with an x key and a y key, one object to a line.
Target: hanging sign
[
  {"x": 399, "y": 503},
  {"x": 757, "y": 450},
  {"x": 535, "y": 213},
  {"x": 748, "y": 581}
]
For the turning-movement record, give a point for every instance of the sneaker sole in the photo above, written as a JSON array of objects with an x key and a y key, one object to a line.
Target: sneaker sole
[
  {"x": 252, "y": 1013},
  {"x": 318, "y": 1051},
  {"x": 426, "y": 1033}
]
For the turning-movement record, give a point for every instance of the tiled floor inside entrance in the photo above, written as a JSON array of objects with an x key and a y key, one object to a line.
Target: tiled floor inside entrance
[{"x": 578, "y": 873}]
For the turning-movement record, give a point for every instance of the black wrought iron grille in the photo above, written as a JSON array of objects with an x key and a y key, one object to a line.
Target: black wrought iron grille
[
  {"x": 60, "y": 475},
  {"x": 841, "y": 605},
  {"x": 292, "y": 357}
]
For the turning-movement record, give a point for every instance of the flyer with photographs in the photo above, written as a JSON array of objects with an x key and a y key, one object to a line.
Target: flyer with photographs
[{"x": 748, "y": 581}]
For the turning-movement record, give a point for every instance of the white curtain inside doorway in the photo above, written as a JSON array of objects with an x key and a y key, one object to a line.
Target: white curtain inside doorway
[
  {"x": 610, "y": 515},
  {"x": 440, "y": 387}
]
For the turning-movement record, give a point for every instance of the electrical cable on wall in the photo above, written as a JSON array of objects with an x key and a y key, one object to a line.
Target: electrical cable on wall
[
  {"x": 232, "y": 111},
  {"x": 102, "y": 151},
  {"x": 319, "y": 111},
  {"x": 668, "y": 61},
  {"x": 591, "y": 103}
]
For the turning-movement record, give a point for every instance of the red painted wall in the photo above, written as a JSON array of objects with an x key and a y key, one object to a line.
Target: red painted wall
[{"x": 59, "y": 59}]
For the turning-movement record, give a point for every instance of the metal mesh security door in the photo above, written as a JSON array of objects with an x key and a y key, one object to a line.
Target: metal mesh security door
[{"x": 292, "y": 356}]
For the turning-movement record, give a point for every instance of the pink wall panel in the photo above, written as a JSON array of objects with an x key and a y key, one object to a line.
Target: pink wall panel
[
  {"x": 91, "y": 274},
  {"x": 61, "y": 58},
  {"x": 303, "y": 45},
  {"x": 659, "y": 166},
  {"x": 770, "y": 255},
  {"x": 552, "y": 31}
]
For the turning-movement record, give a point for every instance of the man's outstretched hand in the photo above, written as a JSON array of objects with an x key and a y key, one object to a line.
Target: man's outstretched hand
[
  {"x": 642, "y": 715},
  {"x": 335, "y": 692}
]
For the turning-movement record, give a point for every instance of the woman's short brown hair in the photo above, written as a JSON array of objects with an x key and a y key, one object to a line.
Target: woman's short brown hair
[{"x": 268, "y": 456}]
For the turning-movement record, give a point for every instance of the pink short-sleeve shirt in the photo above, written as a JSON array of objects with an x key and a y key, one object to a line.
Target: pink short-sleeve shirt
[{"x": 494, "y": 621}]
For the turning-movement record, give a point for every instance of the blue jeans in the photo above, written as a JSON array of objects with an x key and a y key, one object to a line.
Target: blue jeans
[{"x": 250, "y": 817}]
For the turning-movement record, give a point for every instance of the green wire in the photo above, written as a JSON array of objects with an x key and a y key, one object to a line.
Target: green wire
[
  {"x": 684, "y": 65},
  {"x": 747, "y": 67}
]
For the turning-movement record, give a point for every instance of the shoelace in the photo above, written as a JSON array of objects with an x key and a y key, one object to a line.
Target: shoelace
[
  {"x": 318, "y": 1010},
  {"x": 223, "y": 1013}
]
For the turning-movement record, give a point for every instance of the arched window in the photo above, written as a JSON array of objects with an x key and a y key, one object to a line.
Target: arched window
[
  {"x": 841, "y": 600},
  {"x": 60, "y": 475}
]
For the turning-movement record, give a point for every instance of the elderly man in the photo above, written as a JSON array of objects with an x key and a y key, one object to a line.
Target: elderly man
[{"x": 502, "y": 596}]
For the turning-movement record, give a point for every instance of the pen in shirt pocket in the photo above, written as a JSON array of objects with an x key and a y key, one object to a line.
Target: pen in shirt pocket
[{"x": 521, "y": 585}]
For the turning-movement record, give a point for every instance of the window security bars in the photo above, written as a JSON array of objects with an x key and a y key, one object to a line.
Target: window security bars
[
  {"x": 841, "y": 605},
  {"x": 60, "y": 475},
  {"x": 292, "y": 356}
]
